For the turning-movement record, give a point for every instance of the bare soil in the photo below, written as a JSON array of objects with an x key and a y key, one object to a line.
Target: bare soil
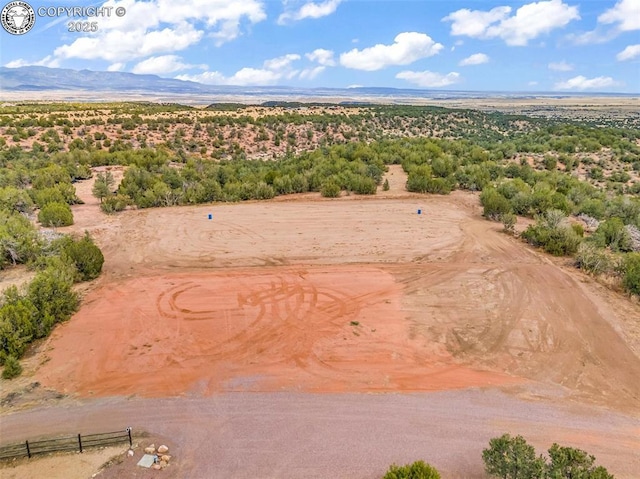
[
  {"x": 244, "y": 318},
  {"x": 61, "y": 466}
]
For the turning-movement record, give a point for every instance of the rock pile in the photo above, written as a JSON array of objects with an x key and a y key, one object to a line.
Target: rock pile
[
  {"x": 161, "y": 453},
  {"x": 634, "y": 235}
]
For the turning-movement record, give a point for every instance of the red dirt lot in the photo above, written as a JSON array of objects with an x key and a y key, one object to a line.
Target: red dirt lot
[{"x": 294, "y": 329}]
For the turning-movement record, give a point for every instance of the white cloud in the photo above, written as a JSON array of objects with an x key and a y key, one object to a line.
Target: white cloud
[
  {"x": 311, "y": 73},
  {"x": 427, "y": 79},
  {"x": 599, "y": 35},
  {"x": 532, "y": 83},
  {"x": 407, "y": 48},
  {"x": 628, "y": 53},
  {"x": 243, "y": 77},
  {"x": 160, "y": 27},
  {"x": 625, "y": 13},
  {"x": 162, "y": 65},
  {"x": 116, "y": 67},
  {"x": 209, "y": 78},
  {"x": 47, "y": 61},
  {"x": 253, "y": 76},
  {"x": 474, "y": 23},
  {"x": 529, "y": 22},
  {"x": 18, "y": 63},
  {"x": 272, "y": 71},
  {"x": 475, "y": 59},
  {"x": 583, "y": 83},
  {"x": 309, "y": 10},
  {"x": 322, "y": 56},
  {"x": 282, "y": 62},
  {"x": 111, "y": 47},
  {"x": 560, "y": 66}
]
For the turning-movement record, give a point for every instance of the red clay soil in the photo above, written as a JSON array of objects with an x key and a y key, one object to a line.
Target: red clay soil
[
  {"x": 353, "y": 294},
  {"x": 270, "y": 329}
]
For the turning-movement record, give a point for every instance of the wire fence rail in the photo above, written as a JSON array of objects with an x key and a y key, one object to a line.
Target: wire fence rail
[{"x": 78, "y": 442}]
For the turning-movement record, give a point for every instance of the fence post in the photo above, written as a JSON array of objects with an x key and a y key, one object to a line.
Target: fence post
[
  {"x": 80, "y": 442},
  {"x": 129, "y": 433},
  {"x": 28, "y": 450}
]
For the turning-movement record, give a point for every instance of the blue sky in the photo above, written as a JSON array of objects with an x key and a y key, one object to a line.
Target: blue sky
[{"x": 548, "y": 45}]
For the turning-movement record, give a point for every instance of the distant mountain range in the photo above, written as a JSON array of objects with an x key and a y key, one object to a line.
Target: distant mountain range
[{"x": 34, "y": 79}]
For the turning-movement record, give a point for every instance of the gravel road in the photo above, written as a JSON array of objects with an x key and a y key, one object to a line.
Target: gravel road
[{"x": 286, "y": 435}]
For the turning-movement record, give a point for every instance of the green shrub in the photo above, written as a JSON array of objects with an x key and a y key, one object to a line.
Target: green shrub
[
  {"x": 509, "y": 221},
  {"x": 613, "y": 234},
  {"x": 263, "y": 191},
  {"x": 495, "y": 205},
  {"x": 416, "y": 470},
  {"x": 417, "y": 182},
  {"x": 596, "y": 173},
  {"x": 439, "y": 186},
  {"x": 630, "y": 269},
  {"x": 571, "y": 463},
  {"x": 363, "y": 185},
  {"x": 550, "y": 163},
  {"x": 19, "y": 240},
  {"x": 593, "y": 259},
  {"x": 17, "y": 316},
  {"x": 115, "y": 203},
  {"x": 556, "y": 241},
  {"x": 578, "y": 229},
  {"x": 55, "y": 214},
  {"x": 554, "y": 234},
  {"x": 14, "y": 199},
  {"x": 512, "y": 458},
  {"x": 86, "y": 256},
  {"x": 330, "y": 189},
  {"x": 51, "y": 294},
  {"x": 12, "y": 368}
]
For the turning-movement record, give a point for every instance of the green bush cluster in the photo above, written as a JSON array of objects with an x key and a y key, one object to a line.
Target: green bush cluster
[
  {"x": 30, "y": 315},
  {"x": 630, "y": 269},
  {"x": 49, "y": 298},
  {"x": 55, "y": 214},
  {"x": 553, "y": 233},
  {"x": 19, "y": 240},
  {"x": 415, "y": 470},
  {"x": 510, "y": 457},
  {"x": 352, "y": 167}
]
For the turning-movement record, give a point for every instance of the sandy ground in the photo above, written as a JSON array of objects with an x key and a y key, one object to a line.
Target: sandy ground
[
  {"x": 61, "y": 466},
  {"x": 355, "y": 436},
  {"x": 248, "y": 316},
  {"x": 15, "y": 276}
]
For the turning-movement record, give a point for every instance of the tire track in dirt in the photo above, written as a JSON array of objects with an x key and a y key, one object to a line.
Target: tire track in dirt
[{"x": 497, "y": 303}]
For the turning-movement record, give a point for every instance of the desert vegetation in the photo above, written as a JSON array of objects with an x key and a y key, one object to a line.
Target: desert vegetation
[
  {"x": 510, "y": 457},
  {"x": 30, "y": 312}
]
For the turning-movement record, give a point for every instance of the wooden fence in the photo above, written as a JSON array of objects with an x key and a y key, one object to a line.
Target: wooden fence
[{"x": 78, "y": 442}]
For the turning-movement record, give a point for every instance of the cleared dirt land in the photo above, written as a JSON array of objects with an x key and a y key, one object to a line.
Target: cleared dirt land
[{"x": 273, "y": 323}]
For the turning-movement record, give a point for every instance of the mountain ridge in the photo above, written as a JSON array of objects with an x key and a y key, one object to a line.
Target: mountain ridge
[{"x": 39, "y": 78}]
